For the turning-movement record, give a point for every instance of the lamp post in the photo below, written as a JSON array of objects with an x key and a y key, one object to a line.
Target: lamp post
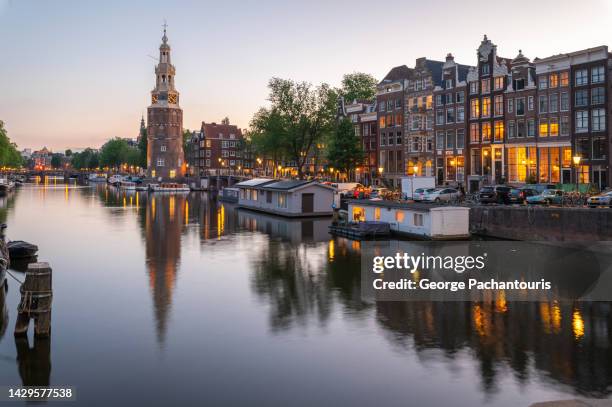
[{"x": 576, "y": 160}]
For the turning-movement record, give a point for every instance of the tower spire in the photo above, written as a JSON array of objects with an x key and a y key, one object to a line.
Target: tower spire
[{"x": 165, "y": 38}]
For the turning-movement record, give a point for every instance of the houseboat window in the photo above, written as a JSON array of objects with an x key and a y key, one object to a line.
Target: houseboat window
[
  {"x": 418, "y": 219},
  {"x": 242, "y": 194},
  {"x": 269, "y": 197},
  {"x": 377, "y": 214},
  {"x": 399, "y": 216},
  {"x": 254, "y": 194},
  {"x": 282, "y": 200},
  {"x": 358, "y": 214}
]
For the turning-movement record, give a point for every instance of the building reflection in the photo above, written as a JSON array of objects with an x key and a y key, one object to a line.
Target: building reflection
[{"x": 164, "y": 221}]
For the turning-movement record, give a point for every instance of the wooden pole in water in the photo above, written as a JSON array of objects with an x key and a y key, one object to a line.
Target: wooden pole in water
[{"x": 36, "y": 297}]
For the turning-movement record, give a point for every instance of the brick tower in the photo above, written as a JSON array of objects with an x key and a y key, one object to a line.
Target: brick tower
[{"x": 165, "y": 158}]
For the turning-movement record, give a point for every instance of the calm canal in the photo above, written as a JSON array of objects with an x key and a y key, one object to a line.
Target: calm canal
[{"x": 179, "y": 300}]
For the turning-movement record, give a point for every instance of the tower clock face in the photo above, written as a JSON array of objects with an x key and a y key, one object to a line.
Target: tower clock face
[
  {"x": 154, "y": 99},
  {"x": 172, "y": 98}
]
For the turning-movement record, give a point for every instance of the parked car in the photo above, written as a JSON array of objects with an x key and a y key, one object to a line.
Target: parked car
[
  {"x": 441, "y": 195},
  {"x": 420, "y": 193},
  {"x": 603, "y": 199},
  {"x": 494, "y": 194},
  {"x": 547, "y": 197},
  {"x": 541, "y": 187},
  {"x": 520, "y": 195},
  {"x": 379, "y": 193}
]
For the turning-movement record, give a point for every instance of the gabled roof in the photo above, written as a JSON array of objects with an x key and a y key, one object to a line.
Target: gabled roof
[
  {"x": 255, "y": 182},
  {"x": 398, "y": 73}
]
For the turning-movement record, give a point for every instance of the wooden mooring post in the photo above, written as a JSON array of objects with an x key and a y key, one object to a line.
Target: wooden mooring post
[{"x": 36, "y": 297}]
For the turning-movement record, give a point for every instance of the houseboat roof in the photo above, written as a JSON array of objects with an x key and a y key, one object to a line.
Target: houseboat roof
[
  {"x": 289, "y": 185},
  {"x": 254, "y": 182},
  {"x": 416, "y": 206}
]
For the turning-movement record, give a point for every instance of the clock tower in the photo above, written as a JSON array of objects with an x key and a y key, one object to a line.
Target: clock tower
[{"x": 165, "y": 158}]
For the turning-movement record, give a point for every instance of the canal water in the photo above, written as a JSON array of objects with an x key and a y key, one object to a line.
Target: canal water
[{"x": 180, "y": 300}]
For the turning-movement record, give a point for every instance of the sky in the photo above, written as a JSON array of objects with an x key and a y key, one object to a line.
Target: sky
[{"x": 74, "y": 74}]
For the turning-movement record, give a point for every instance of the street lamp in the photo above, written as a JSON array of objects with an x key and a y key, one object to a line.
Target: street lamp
[{"x": 576, "y": 160}]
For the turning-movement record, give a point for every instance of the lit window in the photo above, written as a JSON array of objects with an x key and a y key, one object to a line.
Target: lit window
[
  {"x": 486, "y": 132},
  {"x": 564, "y": 78},
  {"x": 543, "y": 128},
  {"x": 399, "y": 216},
  {"x": 499, "y": 130},
  {"x": 553, "y": 80},
  {"x": 474, "y": 109},
  {"x": 163, "y": 148},
  {"x": 172, "y": 173},
  {"x": 160, "y": 162},
  {"x": 376, "y": 213},
  {"x": 554, "y": 127},
  {"x": 486, "y": 107},
  {"x": 499, "y": 82}
]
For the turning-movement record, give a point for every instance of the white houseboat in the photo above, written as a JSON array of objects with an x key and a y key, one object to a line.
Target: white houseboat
[
  {"x": 292, "y": 198},
  {"x": 423, "y": 221}
]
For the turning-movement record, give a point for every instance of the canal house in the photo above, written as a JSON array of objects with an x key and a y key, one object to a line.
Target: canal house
[
  {"x": 293, "y": 198},
  {"x": 420, "y": 220}
]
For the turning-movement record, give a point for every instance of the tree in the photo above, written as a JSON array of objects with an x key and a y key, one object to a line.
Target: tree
[
  {"x": 88, "y": 158},
  {"x": 358, "y": 85},
  {"x": 142, "y": 146},
  {"x": 114, "y": 153},
  {"x": 344, "y": 149},
  {"x": 299, "y": 116},
  {"x": 56, "y": 160},
  {"x": 68, "y": 153},
  {"x": 9, "y": 155}
]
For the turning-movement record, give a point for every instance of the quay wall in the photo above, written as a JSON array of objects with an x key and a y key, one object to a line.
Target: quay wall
[{"x": 542, "y": 223}]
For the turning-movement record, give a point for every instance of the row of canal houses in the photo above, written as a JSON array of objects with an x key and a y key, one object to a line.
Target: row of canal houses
[{"x": 502, "y": 120}]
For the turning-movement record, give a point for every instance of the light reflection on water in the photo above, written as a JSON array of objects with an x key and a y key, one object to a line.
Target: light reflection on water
[{"x": 175, "y": 299}]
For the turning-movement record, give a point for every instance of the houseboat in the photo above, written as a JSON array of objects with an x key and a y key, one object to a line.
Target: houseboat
[
  {"x": 229, "y": 195},
  {"x": 171, "y": 187},
  {"x": 5, "y": 186},
  {"x": 291, "y": 198},
  {"x": 416, "y": 220}
]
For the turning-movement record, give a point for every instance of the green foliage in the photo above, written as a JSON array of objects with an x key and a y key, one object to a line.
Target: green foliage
[
  {"x": 117, "y": 152},
  {"x": 299, "y": 117},
  {"x": 142, "y": 147},
  {"x": 358, "y": 85},
  {"x": 56, "y": 160},
  {"x": 9, "y": 156},
  {"x": 344, "y": 149},
  {"x": 186, "y": 138},
  {"x": 68, "y": 153},
  {"x": 88, "y": 158}
]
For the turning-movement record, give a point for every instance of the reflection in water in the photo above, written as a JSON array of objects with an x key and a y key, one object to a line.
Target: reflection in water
[
  {"x": 304, "y": 278},
  {"x": 163, "y": 224},
  {"x": 34, "y": 362}
]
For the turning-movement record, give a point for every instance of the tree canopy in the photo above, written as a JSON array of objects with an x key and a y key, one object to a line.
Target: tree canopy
[
  {"x": 9, "y": 155},
  {"x": 345, "y": 151},
  {"x": 116, "y": 152},
  {"x": 56, "y": 160},
  {"x": 300, "y": 115},
  {"x": 358, "y": 86},
  {"x": 88, "y": 158}
]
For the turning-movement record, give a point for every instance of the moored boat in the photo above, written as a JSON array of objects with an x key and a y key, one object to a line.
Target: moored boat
[
  {"x": 96, "y": 178},
  {"x": 18, "y": 249},
  {"x": 169, "y": 187},
  {"x": 115, "y": 179}
]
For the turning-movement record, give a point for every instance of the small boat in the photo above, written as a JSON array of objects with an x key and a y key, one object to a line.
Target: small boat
[
  {"x": 96, "y": 178},
  {"x": 18, "y": 249},
  {"x": 115, "y": 179},
  {"x": 128, "y": 185},
  {"x": 6, "y": 186},
  {"x": 142, "y": 187},
  {"x": 229, "y": 195},
  {"x": 169, "y": 187}
]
